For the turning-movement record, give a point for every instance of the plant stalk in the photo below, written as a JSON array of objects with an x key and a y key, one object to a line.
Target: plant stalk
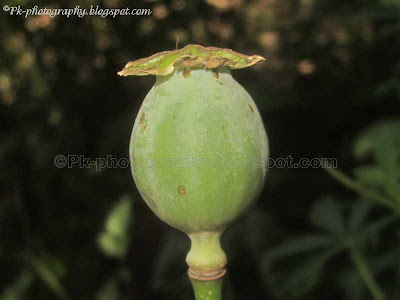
[
  {"x": 207, "y": 289},
  {"x": 366, "y": 275},
  {"x": 348, "y": 182}
]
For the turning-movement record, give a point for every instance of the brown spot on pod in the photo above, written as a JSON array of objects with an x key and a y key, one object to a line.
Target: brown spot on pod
[
  {"x": 142, "y": 118},
  {"x": 251, "y": 108},
  {"x": 186, "y": 73},
  {"x": 143, "y": 123},
  {"x": 181, "y": 190},
  {"x": 215, "y": 73}
]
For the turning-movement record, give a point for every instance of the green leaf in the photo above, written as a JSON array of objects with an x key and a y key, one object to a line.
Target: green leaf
[
  {"x": 297, "y": 280},
  {"x": 393, "y": 190},
  {"x": 328, "y": 215},
  {"x": 358, "y": 215},
  {"x": 368, "y": 140},
  {"x": 47, "y": 274},
  {"x": 306, "y": 276},
  {"x": 18, "y": 290},
  {"x": 109, "y": 291},
  {"x": 372, "y": 229},
  {"x": 300, "y": 245},
  {"x": 382, "y": 139},
  {"x": 120, "y": 216},
  {"x": 389, "y": 85},
  {"x": 371, "y": 175},
  {"x": 112, "y": 246},
  {"x": 115, "y": 238},
  {"x": 366, "y": 274},
  {"x": 388, "y": 150},
  {"x": 349, "y": 280},
  {"x": 369, "y": 194},
  {"x": 393, "y": 4},
  {"x": 389, "y": 260}
]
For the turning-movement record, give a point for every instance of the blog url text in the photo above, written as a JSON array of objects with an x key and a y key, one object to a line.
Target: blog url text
[{"x": 76, "y": 11}]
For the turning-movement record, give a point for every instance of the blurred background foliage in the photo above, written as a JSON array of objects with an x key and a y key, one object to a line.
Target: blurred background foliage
[{"x": 330, "y": 88}]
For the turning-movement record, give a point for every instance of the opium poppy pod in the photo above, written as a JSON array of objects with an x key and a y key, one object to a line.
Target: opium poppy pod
[{"x": 198, "y": 148}]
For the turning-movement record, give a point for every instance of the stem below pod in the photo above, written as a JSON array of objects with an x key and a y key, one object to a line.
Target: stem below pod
[
  {"x": 206, "y": 259},
  {"x": 207, "y": 290},
  {"x": 207, "y": 262}
]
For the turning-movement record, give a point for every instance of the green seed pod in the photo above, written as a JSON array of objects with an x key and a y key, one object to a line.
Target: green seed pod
[{"x": 198, "y": 149}]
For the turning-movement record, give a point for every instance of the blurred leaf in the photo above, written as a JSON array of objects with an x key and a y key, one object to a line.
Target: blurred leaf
[
  {"x": 388, "y": 260},
  {"x": 295, "y": 265},
  {"x": 120, "y": 216},
  {"x": 300, "y": 276},
  {"x": 110, "y": 291},
  {"x": 56, "y": 264},
  {"x": 388, "y": 150},
  {"x": 112, "y": 246},
  {"x": 368, "y": 140},
  {"x": 368, "y": 15},
  {"x": 18, "y": 290},
  {"x": 297, "y": 280},
  {"x": 374, "y": 227},
  {"x": 307, "y": 275},
  {"x": 47, "y": 274},
  {"x": 391, "y": 3},
  {"x": 368, "y": 193},
  {"x": 349, "y": 280},
  {"x": 358, "y": 215},
  {"x": 382, "y": 139},
  {"x": 388, "y": 86},
  {"x": 115, "y": 238},
  {"x": 328, "y": 215},
  {"x": 393, "y": 190},
  {"x": 299, "y": 245},
  {"x": 371, "y": 175},
  {"x": 366, "y": 274}
]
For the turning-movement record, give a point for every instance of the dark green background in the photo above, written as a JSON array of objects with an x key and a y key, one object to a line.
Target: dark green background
[{"x": 332, "y": 70}]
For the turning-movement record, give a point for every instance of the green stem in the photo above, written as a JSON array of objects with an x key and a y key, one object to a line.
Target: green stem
[
  {"x": 207, "y": 262},
  {"x": 366, "y": 275},
  {"x": 207, "y": 290},
  {"x": 348, "y": 182},
  {"x": 205, "y": 251}
]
